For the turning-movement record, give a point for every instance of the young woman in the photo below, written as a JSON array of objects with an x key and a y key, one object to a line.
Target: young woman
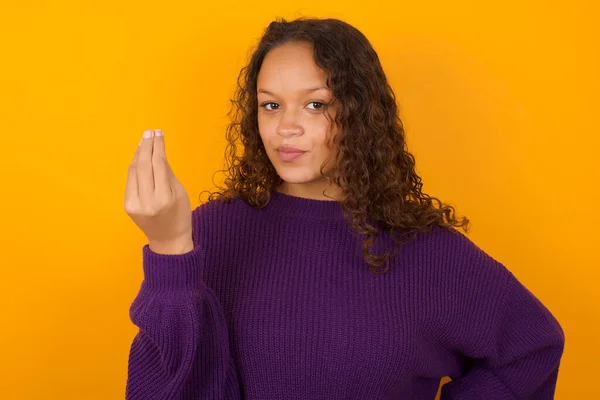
[{"x": 277, "y": 288}]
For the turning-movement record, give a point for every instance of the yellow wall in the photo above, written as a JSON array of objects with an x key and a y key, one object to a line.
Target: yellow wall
[{"x": 498, "y": 100}]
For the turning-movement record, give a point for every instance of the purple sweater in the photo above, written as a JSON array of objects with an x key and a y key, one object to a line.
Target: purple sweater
[{"x": 278, "y": 303}]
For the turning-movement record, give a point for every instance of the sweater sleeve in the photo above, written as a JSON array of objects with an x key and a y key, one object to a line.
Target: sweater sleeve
[
  {"x": 521, "y": 358},
  {"x": 181, "y": 350}
]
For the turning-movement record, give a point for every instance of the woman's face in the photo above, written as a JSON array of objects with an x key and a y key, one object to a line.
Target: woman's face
[{"x": 292, "y": 95}]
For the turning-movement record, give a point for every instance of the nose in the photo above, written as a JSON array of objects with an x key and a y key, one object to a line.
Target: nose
[{"x": 290, "y": 124}]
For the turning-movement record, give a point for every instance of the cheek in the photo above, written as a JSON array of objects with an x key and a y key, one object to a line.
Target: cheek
[
  {"x": 324, "y": 144},
  {"x": 327, "y": 138},
  {"x": 328, "y": 149},
  {"x": 266, "y": 130}
]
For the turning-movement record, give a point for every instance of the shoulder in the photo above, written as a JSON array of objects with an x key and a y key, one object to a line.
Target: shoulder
[
  {"x": 219, "y": 214},
  {"x": 459, "y": 264},
  {"x": 465, "y": 286},
  {"x": 219, "y": 206},
  {"x": 454, "y": 247}
]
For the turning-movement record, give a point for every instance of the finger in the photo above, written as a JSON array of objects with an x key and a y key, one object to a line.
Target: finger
[
  {"x": 131, "y": 188},
  {"x": 160, "y": 164},
  {"x": 145, "y": 175}
]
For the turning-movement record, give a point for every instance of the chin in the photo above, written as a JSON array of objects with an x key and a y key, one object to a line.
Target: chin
[{"x": 296, "y": 176}]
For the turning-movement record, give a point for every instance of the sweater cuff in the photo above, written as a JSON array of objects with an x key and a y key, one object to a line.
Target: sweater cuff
[
  {"x": 477, "y": 384},
  {"x": 163, "y": 272}
]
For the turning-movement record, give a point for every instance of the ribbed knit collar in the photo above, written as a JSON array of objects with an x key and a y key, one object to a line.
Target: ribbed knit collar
[{"x": 302, "y": 207}]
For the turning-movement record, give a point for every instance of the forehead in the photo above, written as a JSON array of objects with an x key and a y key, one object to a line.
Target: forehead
[{"x": 290, "y": 67}]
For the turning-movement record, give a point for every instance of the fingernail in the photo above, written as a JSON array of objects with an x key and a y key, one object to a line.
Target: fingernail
[
  {"x": 147, "y": 134},
  {"x": 158, "y": 132}
]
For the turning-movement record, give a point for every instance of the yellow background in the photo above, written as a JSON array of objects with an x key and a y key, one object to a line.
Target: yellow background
[{"x": 498, "y": 99}]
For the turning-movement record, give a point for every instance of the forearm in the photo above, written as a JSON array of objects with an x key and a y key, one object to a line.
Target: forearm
[{"x": 182, "y": 348}]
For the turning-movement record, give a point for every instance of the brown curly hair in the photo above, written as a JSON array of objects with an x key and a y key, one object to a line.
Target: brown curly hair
[{"x": 375, "y": 171}]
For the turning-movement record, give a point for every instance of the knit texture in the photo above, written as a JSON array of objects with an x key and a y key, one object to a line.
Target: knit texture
[{"x": 278, "y": 303}]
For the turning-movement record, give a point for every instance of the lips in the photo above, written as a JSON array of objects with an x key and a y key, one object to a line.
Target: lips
[
  {"x": 289, "y": 149},
  {"x": 289, "y": 156}
]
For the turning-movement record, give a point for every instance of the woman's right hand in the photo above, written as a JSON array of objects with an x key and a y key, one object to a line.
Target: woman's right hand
[{"x": 156, "y": 201}]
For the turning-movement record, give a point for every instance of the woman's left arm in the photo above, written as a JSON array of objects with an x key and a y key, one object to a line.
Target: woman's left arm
[{"x": 523, "y": 354}]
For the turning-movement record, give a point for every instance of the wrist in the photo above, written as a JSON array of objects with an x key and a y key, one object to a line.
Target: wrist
[{"x": 172, "y": 248}]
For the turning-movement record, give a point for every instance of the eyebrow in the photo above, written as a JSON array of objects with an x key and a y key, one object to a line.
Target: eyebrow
[{"x": 309, "y": 90}]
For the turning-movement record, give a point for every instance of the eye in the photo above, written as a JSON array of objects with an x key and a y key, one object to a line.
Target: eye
[
  {"x": 264, "y": 105},
  {"x": 321, "y": 105},
  {"x": 318, "y": 105}
]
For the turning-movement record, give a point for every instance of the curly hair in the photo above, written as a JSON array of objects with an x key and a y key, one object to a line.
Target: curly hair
[{"x": 373, "y": 168}]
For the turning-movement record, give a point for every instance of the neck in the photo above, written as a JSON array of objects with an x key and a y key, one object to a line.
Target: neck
[
  {"x": 304, "y": 207},
  {"x": 310, "y": 191}
]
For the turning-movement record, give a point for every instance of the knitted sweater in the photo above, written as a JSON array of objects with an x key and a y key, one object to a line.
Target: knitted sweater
[{"x": 278, "y": 303}]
